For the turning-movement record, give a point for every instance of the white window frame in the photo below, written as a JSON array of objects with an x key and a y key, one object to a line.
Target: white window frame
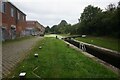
[
  {"x": 18, "y": 15},
  {"x": 12, "y": 12},
  {"x": 23, "y": 18},
  {"x": 3, "y": 7}
]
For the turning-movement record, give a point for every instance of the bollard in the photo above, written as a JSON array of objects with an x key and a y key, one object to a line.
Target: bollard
[
  {"x": 56, "y": 37},
  {"x": 40, "y": 47},
  {"x": 22, "y": 75},
  {"x": 36, "y": 55}
]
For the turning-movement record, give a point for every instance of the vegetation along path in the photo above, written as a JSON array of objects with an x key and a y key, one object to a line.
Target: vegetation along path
[
  {"x": 14, "y": 52},
  {"x": 57, "y": 60}
]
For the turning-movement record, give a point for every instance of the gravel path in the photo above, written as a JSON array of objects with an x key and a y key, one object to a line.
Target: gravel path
[{"x": 14, "y": 52}]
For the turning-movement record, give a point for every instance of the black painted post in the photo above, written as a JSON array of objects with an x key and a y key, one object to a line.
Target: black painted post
[
  {"x": 83, "y": 47},
  {"x": 56, "y": 37},
  {"x": 80, "y": 46}
]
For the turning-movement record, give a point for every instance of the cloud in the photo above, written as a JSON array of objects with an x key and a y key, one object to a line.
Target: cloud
[{"x": 50, "y": 12}]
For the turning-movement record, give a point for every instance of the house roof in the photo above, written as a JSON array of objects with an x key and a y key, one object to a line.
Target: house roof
[
  {"x": 35, "y": 22},
  {"x": 16, "y": 7}
]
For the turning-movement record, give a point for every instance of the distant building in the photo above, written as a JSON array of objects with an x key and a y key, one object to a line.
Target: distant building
[
  {"x": 34, "y": 28},
  {"x": 13, "y": 21}
]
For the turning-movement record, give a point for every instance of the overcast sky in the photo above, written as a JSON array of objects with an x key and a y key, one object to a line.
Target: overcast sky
[{"x": 51, "y": 12}]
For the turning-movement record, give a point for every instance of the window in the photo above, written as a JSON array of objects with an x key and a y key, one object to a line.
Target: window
[
  {"x": 18, "y": 15},
  {"x": 23, "y": 17},
  {"x": 3, "y": 7},
  {"x": 12, "y": 12}
]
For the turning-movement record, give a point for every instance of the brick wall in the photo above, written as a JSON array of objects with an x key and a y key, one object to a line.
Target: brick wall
[
  {"x": 8, "y": 21},
  {"x": 39, "y": 29}
]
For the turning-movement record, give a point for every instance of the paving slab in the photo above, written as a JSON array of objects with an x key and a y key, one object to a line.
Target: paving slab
[{"x": 14, "y": 52}]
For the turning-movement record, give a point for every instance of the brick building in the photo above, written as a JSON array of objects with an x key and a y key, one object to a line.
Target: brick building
[
  {"x": 13, "y": 21},
  {"x": 34, "y": 28}
]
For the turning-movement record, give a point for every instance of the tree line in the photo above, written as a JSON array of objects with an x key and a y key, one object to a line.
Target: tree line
[{"x": 93, "y": 21}]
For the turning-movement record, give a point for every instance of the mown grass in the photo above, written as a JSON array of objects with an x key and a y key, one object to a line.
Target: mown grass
[
  {"x": 57, "y": 60},
  {"x": 105, "y": 42},
  {"x": 16, "y": 40}
]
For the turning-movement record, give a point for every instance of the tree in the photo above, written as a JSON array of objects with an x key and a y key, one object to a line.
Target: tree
[
  {"x": 110, "y": 7},
  {"x": 94, "y": 21},
  {"x": 89, "y": 13},
  {"x": 62, "y": 26},
  {"x": 87, "y": 17},
  {"x": 47, "y": 29},
  {"x": 54, "y": 29}
]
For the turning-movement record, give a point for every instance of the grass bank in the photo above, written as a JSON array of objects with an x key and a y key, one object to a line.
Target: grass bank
[
  {"x": 110, "y": 43},
  {"x": 57, "y": 60}
]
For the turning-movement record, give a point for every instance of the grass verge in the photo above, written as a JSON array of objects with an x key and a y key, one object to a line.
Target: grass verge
[
  {"x": 105, "y": 42},
  {"x": 57, "y": 60}
]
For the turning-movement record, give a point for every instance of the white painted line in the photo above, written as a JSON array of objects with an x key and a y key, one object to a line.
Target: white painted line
[
  {"x": 35, "y": 68},
  {"x": 36, "y": 75}
]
